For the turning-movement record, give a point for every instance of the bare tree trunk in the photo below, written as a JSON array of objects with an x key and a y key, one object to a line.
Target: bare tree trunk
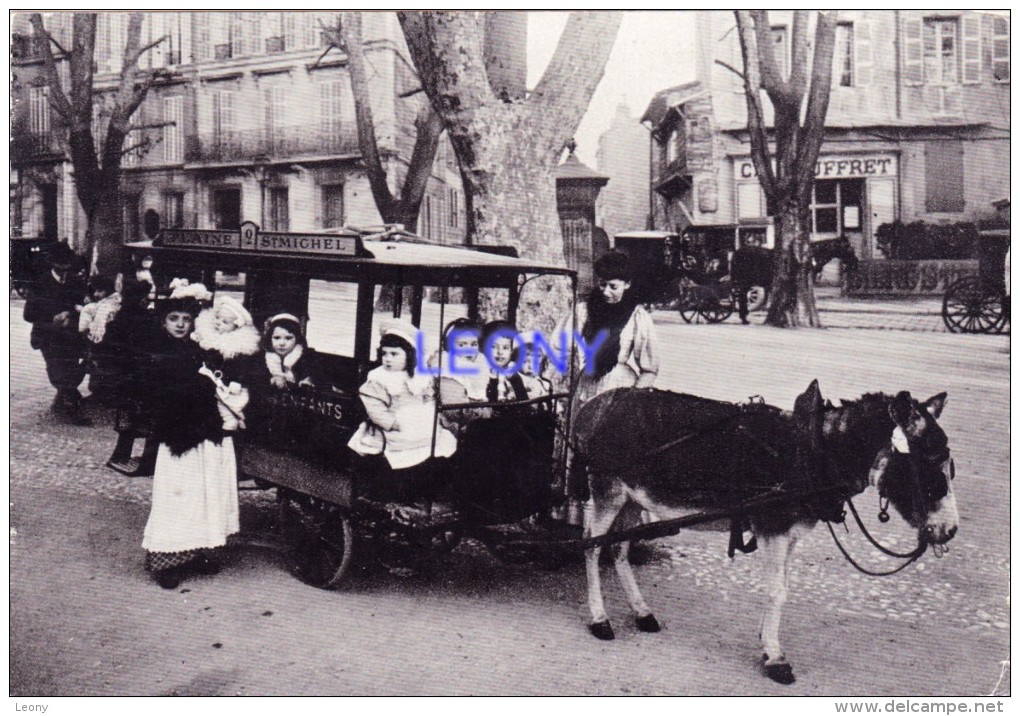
[
  {"x": 787, "y": 183},
  {"x": 404, "y": 208},
  {"x": 97, "y": 175},
  {"x": 508, "y": 150},
  {"x": 793, "y": 298}
]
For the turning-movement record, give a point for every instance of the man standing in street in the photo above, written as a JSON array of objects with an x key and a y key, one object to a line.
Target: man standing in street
[{"x": 53, "y": 304}]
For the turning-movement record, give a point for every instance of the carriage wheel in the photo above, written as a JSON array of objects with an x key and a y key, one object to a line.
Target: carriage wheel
[
  {"x": 967, "y": 309},
  {"x": 317, "y": 538},
  {"x": 756, "y": 297},
  {"x": 688, "y": 305},
  {"x": 716, "y": 311}
]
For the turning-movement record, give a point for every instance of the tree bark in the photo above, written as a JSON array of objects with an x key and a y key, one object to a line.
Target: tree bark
[
  {"x": 508, "y": 151},
  {"x": 787, "y": 175},
  {"x": 97, "y": 175},
  {"x": 404, "y": 208}
]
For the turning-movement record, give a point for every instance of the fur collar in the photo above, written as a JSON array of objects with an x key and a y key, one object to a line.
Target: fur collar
[
  {"x": 284, "y": 367},
  {"x": 243, "y": 341}
]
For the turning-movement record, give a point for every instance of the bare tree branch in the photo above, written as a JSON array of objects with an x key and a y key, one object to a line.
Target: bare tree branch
[
  {"x": 731, "y": 68},
  {"x": 799, "y": 50},
  {"x": 349, "y": 34},
  {"x": 145, "y": 143},
  {"x": 457, "y": 76},
  {"x": 565, "y": 90},
  {"x": 58, "y": 99},
  {"x": 818, "y": 97},
  {"x": 771, "y": 78},
  {"x": 755, "y": 113}
]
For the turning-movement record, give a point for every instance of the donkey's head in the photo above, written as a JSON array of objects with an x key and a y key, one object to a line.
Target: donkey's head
[{"x": 915, "y": 472}]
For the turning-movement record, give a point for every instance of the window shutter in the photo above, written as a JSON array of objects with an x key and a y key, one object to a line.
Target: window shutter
[
  {"x": 943, "y": 174},
  {"x": 290, "y": 41},
  {"x": 201, "y": 44},
  {"x": 1000, "y": 49},
  {"x": 913, "y": 66},
  {"x": 863, "y": 62},
  {"x": 971, "y": 31},
  {"x": 173, "y": 111}
]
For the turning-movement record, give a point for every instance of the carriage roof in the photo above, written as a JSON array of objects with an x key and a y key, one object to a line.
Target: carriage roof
[{"x": 344, "y": 255}]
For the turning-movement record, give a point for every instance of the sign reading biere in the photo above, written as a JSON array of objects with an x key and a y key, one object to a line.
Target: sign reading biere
[{"x": 248, "y": 238}]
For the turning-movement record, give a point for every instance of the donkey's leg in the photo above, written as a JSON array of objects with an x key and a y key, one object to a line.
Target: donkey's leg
[
  {"x": 631, "y": 516},
  {"x": 776, "y": 551},
  {"x": 606, "y": 505}
]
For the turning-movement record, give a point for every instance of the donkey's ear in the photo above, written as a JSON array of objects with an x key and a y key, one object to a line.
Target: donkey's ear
[
  {"x": 935, "y": 404},
  {"x": 808, "y": 403},
  {"x": 901, "y": 408}
]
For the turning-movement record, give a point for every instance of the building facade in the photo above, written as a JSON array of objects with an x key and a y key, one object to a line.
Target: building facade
[
  {"x": 917, "y": 128},
  {"x": 254, "y": 120},
  {"x": 623, "y": 156}
]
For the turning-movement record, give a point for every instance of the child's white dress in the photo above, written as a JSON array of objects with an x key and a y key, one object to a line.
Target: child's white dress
[{"x": 394, "y": 398}]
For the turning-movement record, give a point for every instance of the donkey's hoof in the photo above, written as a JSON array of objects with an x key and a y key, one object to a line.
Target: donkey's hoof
[
  {"x": 602, "y": 630},
  {"x": 648, "y": 623},
  {"x": 781, "y": 673}
]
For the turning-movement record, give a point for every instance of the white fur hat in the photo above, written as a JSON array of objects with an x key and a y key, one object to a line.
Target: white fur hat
[
  {"x": 402, "y": 329},
  {"x": 241, "y": 316},
  {"x": 182, "y": 289}
]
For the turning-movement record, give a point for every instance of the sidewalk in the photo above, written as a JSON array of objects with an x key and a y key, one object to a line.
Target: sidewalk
[{"x": 909, "y": 313}]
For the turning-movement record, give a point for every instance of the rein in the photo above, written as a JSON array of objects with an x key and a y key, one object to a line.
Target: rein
[{"x": 910, "y": 557}]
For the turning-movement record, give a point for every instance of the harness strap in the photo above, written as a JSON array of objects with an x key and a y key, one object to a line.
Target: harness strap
[{"x": 915, "y": 556}]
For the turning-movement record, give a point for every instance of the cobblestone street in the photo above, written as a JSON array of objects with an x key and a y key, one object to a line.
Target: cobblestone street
[{"x": 87, "y": 620}]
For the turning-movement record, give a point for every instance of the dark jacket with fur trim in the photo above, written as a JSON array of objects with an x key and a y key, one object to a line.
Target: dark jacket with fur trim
[{"x": 184, "y": 402}]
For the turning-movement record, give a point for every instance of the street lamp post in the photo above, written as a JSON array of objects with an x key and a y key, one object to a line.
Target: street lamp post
[{"x": 261, "y": 164}]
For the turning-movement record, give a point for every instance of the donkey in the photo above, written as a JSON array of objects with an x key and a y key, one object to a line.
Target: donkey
[{"x": 640, "y": 455}]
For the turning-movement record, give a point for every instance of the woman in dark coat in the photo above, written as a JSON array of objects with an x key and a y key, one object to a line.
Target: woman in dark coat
[{"x": 194, "y": 490}]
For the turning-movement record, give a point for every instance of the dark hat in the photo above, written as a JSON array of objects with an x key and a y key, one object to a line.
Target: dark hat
[
  {"x": 615, "y": 264},
  {"x": 167, "y": 306},
  {"x": 62, "y": 256}
]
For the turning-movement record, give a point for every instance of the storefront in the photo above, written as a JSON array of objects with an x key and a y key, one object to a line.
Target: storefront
[{"x": 853, "y": 195}]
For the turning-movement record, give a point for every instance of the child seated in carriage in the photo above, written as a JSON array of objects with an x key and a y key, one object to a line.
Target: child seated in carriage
[
  {"x": 400, "y": 405},
  {"x": 505, "y": 351}
]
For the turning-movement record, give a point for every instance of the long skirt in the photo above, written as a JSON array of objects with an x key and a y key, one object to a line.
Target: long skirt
[{"x": 194, "y": 503}]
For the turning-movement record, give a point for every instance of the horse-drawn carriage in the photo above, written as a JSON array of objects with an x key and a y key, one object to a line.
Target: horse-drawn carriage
[
  {"x": 297, "y": 441},
  {"x": 692, "y": 461},
  {"x": 980, "y": 304},
  {"x": 677, "y": 271}
]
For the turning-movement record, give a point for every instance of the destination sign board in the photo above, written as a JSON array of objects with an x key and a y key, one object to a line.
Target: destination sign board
[{"x": 250, "y": 239}]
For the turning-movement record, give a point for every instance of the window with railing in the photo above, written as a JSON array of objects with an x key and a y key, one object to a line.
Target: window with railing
[
  {"x": 39, "y": 110},
  {"x": 223, "y": 116},
  {"x": 275, "y": 111}
]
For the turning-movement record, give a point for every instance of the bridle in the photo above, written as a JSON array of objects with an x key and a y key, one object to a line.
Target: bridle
[{"x": 899, "y": 444}]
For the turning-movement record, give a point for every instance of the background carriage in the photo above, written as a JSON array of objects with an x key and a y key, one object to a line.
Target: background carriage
[
  {"x": 980, "y": 304},
  {"x": 296, "y": 440},
  {"x": 672, "y": 270}
]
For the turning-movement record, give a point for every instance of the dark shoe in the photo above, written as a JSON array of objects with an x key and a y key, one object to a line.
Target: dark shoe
[
  {"x": 169, "y": 578},
  {"x": 207, "y": 565}
]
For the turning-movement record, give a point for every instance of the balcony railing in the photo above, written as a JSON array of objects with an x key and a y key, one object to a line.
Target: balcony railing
[
  {"x": 32, "y": 145},
  {"x": 280, "y": 142}
]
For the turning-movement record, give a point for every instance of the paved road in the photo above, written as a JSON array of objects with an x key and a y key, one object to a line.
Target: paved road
[{"x": 86, "y": 620}]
